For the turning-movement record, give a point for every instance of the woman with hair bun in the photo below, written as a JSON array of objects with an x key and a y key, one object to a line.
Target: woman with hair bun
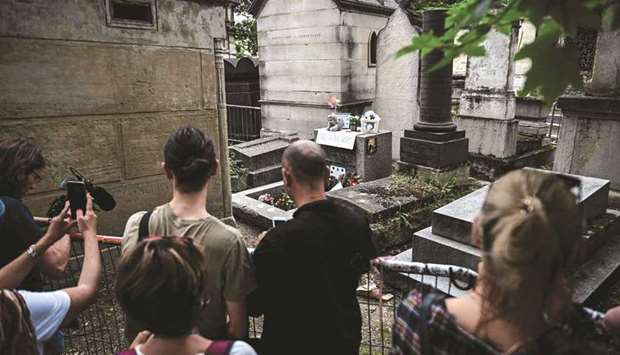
[
  {"x": 527, "y": 231},
  {"x": 189, "y": 164},
  {"x": 168, "y": 305}
]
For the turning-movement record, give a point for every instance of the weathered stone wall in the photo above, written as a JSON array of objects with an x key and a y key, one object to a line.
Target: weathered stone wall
[
  {"x": 397, "y": 79},
  {"x": 309, "y": 50},
  {"x": 104, "y": 99}
]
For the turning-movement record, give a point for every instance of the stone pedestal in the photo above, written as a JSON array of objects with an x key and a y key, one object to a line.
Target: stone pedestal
[
  {"x": 370, "y": 158},
  {"x": 434, "y": 146},
  {"x": 487, "y": 108},
  {"x": 590, "y": 138}
]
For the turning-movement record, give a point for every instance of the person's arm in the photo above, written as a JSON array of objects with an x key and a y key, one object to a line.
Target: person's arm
[
  {"x": 54, "y": 261},
  {"x": 15, "y": 272},
  {"x": 84, "y": 293},
  {"x": 238, "y": 324}
]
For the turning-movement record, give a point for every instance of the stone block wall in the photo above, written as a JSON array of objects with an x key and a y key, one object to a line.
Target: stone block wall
[
  {"x": 104, "y": 99},
  {"x": 308, "y": 51}
]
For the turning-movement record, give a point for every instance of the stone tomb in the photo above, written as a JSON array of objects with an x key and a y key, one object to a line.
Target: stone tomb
[
  {"x": 369, "y": 156},
  {"x": 262, "y": 159},
  {"x": 447, "y": 241}
]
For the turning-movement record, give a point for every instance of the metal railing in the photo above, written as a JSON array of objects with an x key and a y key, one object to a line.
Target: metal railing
[
  {"x": 100, "y": 329},
  {"x": 244, "y": 123}
]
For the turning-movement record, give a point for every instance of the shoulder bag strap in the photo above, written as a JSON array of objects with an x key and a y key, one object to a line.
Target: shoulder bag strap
[
  {"x": 220, "y": 347},
  {"x": 143, "y": 231}
]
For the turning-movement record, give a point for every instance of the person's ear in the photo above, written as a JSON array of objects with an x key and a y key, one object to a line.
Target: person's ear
[
  {"x": 168, "y": 172},
  {"x": 476, "y": 232},
  {"x": 326, "y": 176}
]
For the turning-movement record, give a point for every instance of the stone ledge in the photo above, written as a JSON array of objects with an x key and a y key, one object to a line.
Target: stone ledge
[{"x": 591, "y": 104}]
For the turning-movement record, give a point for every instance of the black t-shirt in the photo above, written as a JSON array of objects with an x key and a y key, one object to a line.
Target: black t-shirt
[
  {"x": 18, "y": 231},
  {"x": 308, "y": 271}
]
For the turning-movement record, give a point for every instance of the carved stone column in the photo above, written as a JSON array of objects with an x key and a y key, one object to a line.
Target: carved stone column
[{"x": 220, "y": 52}]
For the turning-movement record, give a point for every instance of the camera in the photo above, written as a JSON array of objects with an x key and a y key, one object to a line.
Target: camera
[{"x": 76, "y": 187}]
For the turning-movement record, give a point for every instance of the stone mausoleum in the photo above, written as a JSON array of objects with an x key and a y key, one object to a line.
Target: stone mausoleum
[
  {"x": 312, "y": 49},
  {"x": 100, "y": 84}
]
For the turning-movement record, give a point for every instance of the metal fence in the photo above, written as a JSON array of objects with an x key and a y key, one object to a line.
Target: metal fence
[
  {"x": 100, "y": 329},
  {"x": 244, "y": 123}
]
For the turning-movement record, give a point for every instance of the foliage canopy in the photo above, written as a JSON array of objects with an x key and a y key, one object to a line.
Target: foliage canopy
[{"x": 555, "y": 62}]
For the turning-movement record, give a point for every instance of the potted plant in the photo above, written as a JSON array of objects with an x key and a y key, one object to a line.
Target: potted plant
[
  {"x": 370, "y": 122},
  {"x": 354, "y": 123}
]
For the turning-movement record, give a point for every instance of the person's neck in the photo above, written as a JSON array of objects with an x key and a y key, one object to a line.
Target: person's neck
[
  {"x": 189, "y": 205},
  {"x": 190, "y": 345},
  {"x": 305, "y": 197}
]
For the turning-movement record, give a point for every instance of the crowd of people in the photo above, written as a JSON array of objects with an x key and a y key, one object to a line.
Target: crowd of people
[{"x": 187, "y": 283}]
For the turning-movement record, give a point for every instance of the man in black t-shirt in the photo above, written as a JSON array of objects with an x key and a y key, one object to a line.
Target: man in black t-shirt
[{"x": 308, "y": 268}]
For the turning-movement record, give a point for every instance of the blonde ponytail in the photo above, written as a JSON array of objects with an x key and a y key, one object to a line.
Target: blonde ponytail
[{"x": 529, "y": 228}]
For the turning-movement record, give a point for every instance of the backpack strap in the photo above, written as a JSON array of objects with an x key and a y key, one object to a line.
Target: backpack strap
[
  {"x": 220, "y": 347},
  {"x": 143, "y": 231},
  {"x": 422, "y": 325}
]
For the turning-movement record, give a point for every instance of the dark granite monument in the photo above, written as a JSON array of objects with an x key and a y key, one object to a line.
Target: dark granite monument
[{"x": 434, "y": 144}]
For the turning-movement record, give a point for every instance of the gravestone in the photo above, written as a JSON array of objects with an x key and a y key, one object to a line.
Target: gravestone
[
  {"x": 396, "y": 91},
  {"x": 590, "y": 132},
  {"x": 487, "y": 108},
  {"x": 368, "y": 155},
  {"x": 448, "y": 240},
  {"x": 262, "y": 159}
]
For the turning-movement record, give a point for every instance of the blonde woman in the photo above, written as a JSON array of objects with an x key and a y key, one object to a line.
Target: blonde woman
[{"x": 527, "y": 231}]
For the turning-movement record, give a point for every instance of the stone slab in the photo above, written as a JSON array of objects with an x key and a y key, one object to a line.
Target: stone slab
[
  {"x": 260, "y": 153},
  {"x": 605, "y": 72},
  {"x": 490, "y": 168},
  {"x": 590, "y": 137},
  {"x": 491, "y": 137},
  {"x": 368, "y": 165},
  {"x": 431, "y": 248},
  {"x": 437, "y": 155},
  {"x": 38, "y": 79},
  {"x": 434, "y": 136},
  {"x": 454, "y": 220},
  {"x": 264, "y": 176},
  {"x": 247, "y": 208},
  {"x": 590, "y": 276}
]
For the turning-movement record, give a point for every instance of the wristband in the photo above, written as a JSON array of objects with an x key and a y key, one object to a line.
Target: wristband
[{"x": 32, "y": 252}]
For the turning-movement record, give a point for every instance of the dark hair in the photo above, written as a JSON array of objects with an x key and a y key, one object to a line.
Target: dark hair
[
  {"x": 19, "y": 158},
  {"x": 190, "y": 155},
  {"x": 161, "y": 283},
  {"x": 307, "y": 161}
]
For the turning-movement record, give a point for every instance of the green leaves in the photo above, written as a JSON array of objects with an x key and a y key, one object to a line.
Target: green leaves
[{"x": 554, "y": 68}]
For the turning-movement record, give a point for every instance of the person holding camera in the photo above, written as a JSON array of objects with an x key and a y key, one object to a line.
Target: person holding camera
[
  {"x": 308, "y": 268},
  {"x": 190, "y": 162},
  {"x": 21, "y": 164},
  {"x": 30, "y": 321}
]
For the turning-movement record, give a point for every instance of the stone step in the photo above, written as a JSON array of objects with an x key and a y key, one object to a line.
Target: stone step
[
  {"x": 454, "y": 220},
  {"x": 598, "y": 253},
  {"x": 260, "y": 153},
  {"x": 264, "y": 176}
]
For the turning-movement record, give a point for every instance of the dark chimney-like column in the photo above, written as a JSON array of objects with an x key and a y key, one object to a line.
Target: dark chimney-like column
[
  {"x": 434, "y": 142},
  {"x": 435, "y": 86}
]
